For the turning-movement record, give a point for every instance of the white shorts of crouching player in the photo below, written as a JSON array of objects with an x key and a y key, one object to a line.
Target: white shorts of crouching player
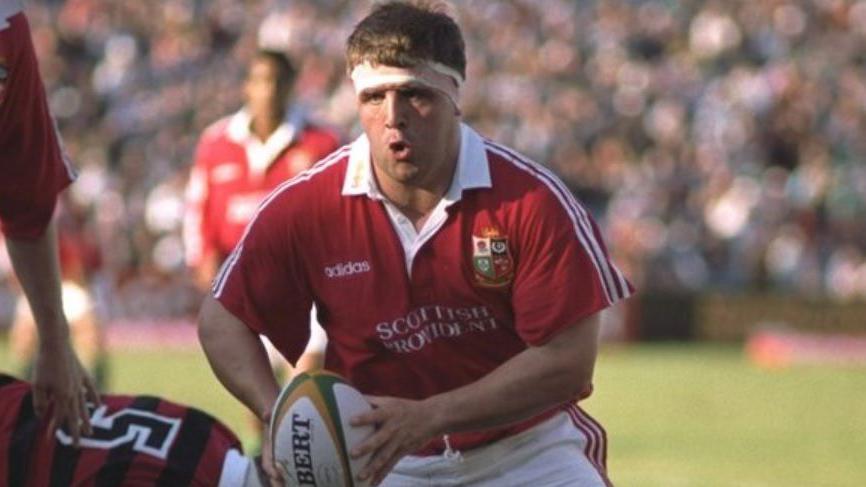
[{"x": 550, "y": 454}]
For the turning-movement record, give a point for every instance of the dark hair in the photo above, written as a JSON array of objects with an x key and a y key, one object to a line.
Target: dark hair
[
  {"x": 406, "y": 33},
  {"x": 287, "y": 72}
]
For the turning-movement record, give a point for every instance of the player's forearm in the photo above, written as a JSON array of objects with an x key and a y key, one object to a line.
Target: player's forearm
[
  {"x": 36, "y": 265},
  {"x": 529, "y": 383},
  {"x": 237, "y": 357}
]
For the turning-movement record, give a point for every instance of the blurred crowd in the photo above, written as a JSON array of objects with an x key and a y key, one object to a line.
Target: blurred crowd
[{"x": 720, "y": 144}]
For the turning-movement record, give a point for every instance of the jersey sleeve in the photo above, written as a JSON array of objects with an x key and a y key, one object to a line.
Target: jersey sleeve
[
  {"x": 563, "y": 271},
  {"x": 33, "y": 165},
  {"x": 198, "y": 236},
  {"x": 263, "y": 283},
  {"x": 325, "y": 143}
]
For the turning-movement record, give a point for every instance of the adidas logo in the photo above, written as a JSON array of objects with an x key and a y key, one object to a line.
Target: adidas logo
[{"x": 347, "y": 269}]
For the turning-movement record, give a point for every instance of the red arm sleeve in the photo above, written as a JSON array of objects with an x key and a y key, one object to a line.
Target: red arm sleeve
[
  {"x": 33, "y": 166},
  {"x": 197, "y": 236},
  {"x": 563, "y": 272},
  {"x": 263, "y": 283}
]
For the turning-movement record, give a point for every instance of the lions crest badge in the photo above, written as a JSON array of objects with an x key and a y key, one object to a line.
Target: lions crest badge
[{"x": 491, "y": 259}]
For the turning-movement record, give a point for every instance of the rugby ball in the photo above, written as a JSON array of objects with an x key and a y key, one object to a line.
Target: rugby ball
[{"x": 310, "y": 432}]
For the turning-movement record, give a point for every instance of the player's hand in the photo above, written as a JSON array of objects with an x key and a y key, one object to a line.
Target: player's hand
[
  {"x": 62, "y": 388},
  {"x": 275, "y": 477},
  {"x": 402, "y": 427}
]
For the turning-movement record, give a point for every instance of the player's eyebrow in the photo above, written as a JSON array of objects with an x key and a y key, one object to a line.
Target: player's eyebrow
[{"x": 406, "y": 85}]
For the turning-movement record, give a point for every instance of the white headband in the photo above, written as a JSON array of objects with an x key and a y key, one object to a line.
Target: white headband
[{"x": 438, "y": 76}]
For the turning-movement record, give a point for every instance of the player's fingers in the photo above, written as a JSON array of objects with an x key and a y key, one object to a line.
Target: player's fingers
[
  {"x": 40, "y": 401},
  {"x": 378, "y": 401},
  {"x": 65, "y": 414},
  {"x": 90, "y": 391},
  {"x": 46, "y": 413},
  {"x": 380, "y": 476},
  {"x": 73, "y": 424},
  {"x": 372, "y": 417},
  {"x": 52, "y": 422},
  {"x": 272, "y": 470},
  {"x": 275, "y": 476},
  {"x": 275, "y": 480},
  {"x": 268, "y": 466},
  {"x": 371, "y": 444},
  {"x": 84, "y": 415},
  {"x": 381, "y": 463}
]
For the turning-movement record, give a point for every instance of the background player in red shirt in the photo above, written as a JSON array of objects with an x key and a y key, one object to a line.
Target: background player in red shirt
[
  {"x": 243, "y": 157},
  {"x": 459, "y": 283},
  {"x": 137, "y": 441},
  {"x": 33, "y": 170}
]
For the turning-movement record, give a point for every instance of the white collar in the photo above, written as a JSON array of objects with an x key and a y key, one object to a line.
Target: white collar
[
  {"x": 292, "y": 124},
  {"x": 261, "y": 154},
  {"x": 473, "y": 168}
]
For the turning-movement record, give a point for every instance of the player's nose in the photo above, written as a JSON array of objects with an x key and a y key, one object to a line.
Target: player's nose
[{"x": 395, "y": 110}]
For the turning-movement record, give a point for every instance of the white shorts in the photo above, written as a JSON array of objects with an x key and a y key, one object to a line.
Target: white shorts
[{"x": 568, "y": 449}]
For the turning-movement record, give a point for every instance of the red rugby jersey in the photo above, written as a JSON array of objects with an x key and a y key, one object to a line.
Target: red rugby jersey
[
  {"x": 512, "y": 260},
  {"x": 233, "y": 172},
  {"x": 33, "y": 166},
  {"x": 138, "y": 441}
]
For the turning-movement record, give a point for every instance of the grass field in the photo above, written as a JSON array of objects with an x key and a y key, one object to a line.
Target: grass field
[{"x": 676, "y": 415}]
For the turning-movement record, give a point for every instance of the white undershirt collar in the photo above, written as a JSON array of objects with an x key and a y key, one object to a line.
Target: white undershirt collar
[
  {"x": 473, "y": 171},
  {"x": 261, "y": 155}
]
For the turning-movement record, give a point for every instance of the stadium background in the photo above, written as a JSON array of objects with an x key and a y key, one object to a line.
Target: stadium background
[{"x": 719, "y": 144}]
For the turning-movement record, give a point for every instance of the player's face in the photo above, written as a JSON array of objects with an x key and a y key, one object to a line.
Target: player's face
[
  {"x": 413, "y": 131},
  {"x": 263, "y": 92}
]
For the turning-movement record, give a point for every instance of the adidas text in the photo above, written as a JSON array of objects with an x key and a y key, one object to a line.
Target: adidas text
[{"x": 347, "y": 269}]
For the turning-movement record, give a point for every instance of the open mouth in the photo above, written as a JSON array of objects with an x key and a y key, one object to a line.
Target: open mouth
[{"x": 400, "y": 149}]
